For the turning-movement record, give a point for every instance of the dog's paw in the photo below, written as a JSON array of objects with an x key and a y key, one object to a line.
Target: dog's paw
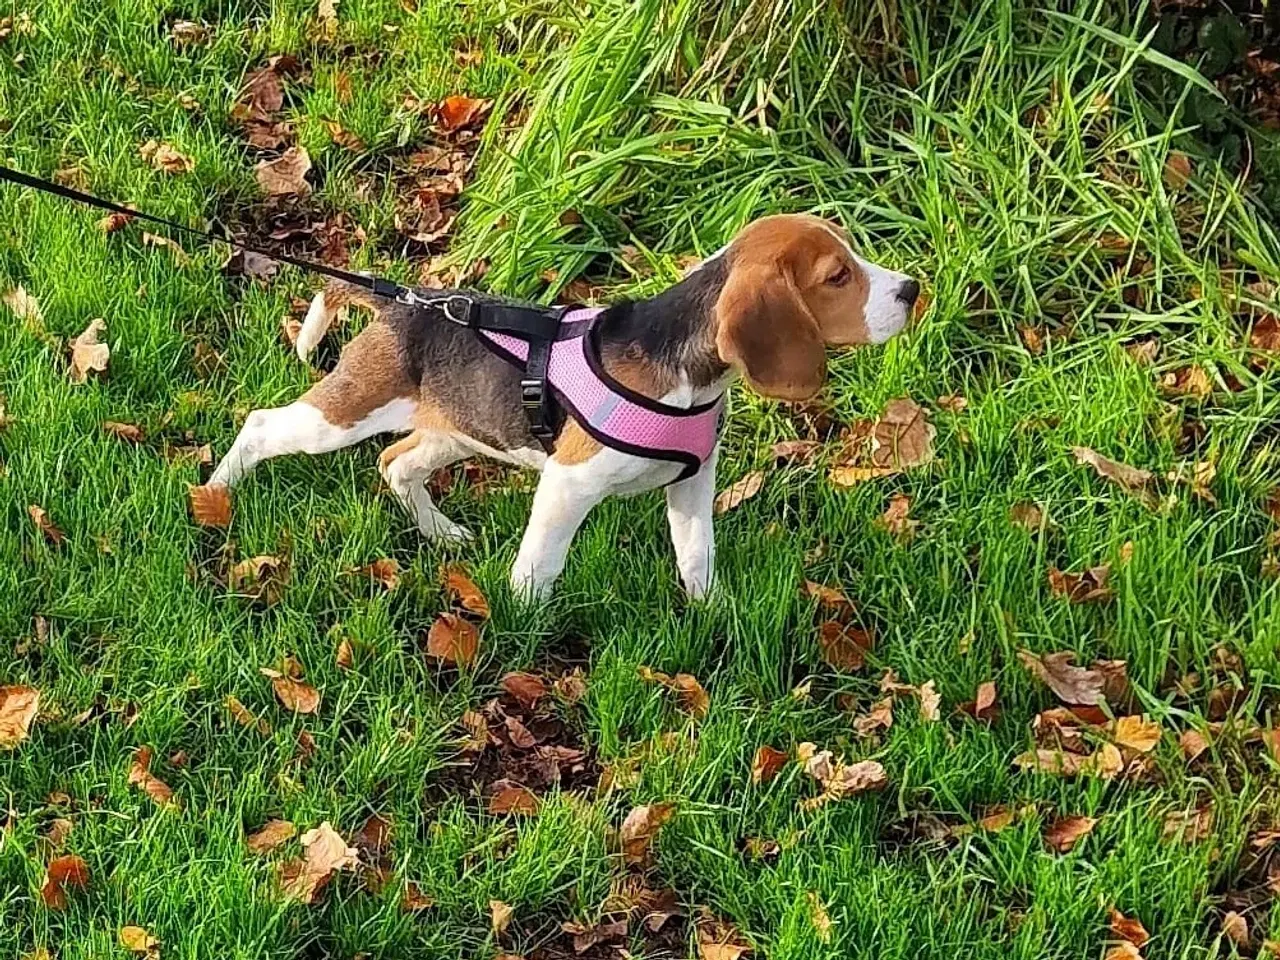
[
  {"x": 440, "y": 528},
  {"x": 528, "y": 585}
]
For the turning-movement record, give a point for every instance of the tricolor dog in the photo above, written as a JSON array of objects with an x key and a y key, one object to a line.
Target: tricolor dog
[{"x": 635, "y": 389}]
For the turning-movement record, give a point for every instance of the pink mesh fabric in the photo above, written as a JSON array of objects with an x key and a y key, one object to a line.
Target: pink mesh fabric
[{"x": 612, "y": 415}]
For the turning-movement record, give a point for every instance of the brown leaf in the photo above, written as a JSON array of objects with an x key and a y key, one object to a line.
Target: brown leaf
[
  {"x": 344, "y": 137},
  {"x": 326, "y": 853},
  {"x": 1192, "y": 743},
  {"x": 461, "y": 589},
  {"x": 739, "y": 492},
  {"x": 125, "y": 431},
  {"x": 500, "y": 915},
  {"x": 795, "y": 451},
  {"x": 526, "y": 688},
  {"x": 1236, "y": 928},
  {"x": 952, "y": 403},
  {"x": 155, "y": 240},
  {"x": 1130, "y": 478},
  {"x": 59, "y": 829},
  {"x": 25, "y": 307},
  {"x": 1188, "y": 381},
  {"x": 511, "y": 797},
  {"x": 114, "y": 221},
  {"x": 1128, "y": 928},
  {"x": 414, "y": 900},
  {"x": 1029, "y": 516},
  {"x": 1122, "y": 951},
  {"x": 18, "y": 708},
  {"x": 63, "y": 873},
  {"x": 895, "y": 518},
  {"x": 1065, "y": 832},
  {"x": 138, "y": 940},
  {"x": 844, "y": 646},
  {"x": 245, "y": 717},
  {"x": 640, "y": 827},
  {"x": 384, "y": 571},
  {"x": 1144, "y": 351},
  {"x": 694, "y": 700},
  {"x": 295, "y": 695},
  {"x": 571, "y": 687},
  {"x": 453, "y": 640},
  {"x": 586, "y": 936},
  {"x": 1137, "y": 733},
  {"x": 166, "y": 158},
  {"x": 1105, "y": 764},
  {"x": 46, "y": 526},
  {"x": 285, "y": 175},
  {"x": 271, "y": 835},
  {"x": 831, "y": 599},
  {"x": 879, "y": 717},
  {"x": 1032, "y": 338},
  {"x": 87, "y": 354},
  {"x": 261, "y": 578},
  {"x": 819, "y": 917},
  {"x": 1189, "y": 826},
  {"x": 344, "y": 656},
  {"x": 930, "y": 702},
  {"x": 983, "y": 706},
  {"x": 1265, "y": 334},
  {"x": 767, "y": 764},
  {"x": 458, "y": 112},
  {"x": 1177, "y": 170},
  {"x": 210, "y": 505},
  {"x": 902, "y": 438},
  {"x": 1088, "y": 587},
  {"x": 140, "y": 776},
  {"x": 1071, "y": 684}
]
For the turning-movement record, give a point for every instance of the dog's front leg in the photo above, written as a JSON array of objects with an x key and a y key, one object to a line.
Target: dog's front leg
[
  {"x": 689, "y": 504},
  {"x": 565, "y": 495}
]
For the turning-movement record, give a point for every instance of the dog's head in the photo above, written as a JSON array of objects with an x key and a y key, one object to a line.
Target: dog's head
[{"x": 793, "y": 287}]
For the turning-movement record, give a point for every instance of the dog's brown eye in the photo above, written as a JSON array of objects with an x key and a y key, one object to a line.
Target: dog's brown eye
[{"x": 840, "y": 277}]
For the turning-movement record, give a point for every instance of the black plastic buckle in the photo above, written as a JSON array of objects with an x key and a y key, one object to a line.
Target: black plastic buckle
[{"x": 532, "y": 399}]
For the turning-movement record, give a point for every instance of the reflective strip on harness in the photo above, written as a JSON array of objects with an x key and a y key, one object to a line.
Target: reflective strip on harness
[{"x": 609, "y": 411}]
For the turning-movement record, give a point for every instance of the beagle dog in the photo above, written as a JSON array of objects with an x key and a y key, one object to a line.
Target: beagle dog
[{"x": 764, "y": 307}]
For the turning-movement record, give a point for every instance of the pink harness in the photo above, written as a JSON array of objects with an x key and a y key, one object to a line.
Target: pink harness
[{"x": 606, "y": 409}]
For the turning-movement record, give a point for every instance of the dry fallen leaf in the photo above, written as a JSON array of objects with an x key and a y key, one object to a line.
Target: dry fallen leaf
[
  {"x": 1192, "y": 743},
  {"x": 879, "y": 717},
  {"x": 1029, "y": 516},
  {"x": 457, "y": 112},
  {"x": 819, "y": 917},
  {"x": 125, "y": 431},
  {"x": 295, "y": 695},
  {"x": 384, "y": 571},
  {"x": 140, "y": 776},
  {"x": 526, "y": 688},
  {"x": 24, "y": 306},
  {"x": 18, "y": 708},
  {"x": 1188, "y": 381},
  {"x": 414, "y": 900},
  {"x": 1032, "y": 338},
  {"x": 59, "y": 830},
  {"x": 210, "y": 505},
  {"x": 767, "y": 764},
  {"x": 1137, "y": 733},
  {"x": 285, "y": 175},
  {"x": 271, "y": 835},
  {"x": 640, "y": 827},
  {"x": 694, "y": 700},
  {"x": 1128, "y": 929},
  {"x": 1070, "y": 683},
  {"x": 795, "y": 451},
  {"x": 1177, "y": 170},
  {"x": 87, "y": 354},
  {"x": 1188, "y": 826},
  {"x": 1088, "y": 587},
  {"x": 166, "y": 158},
  {"x": 326, "y": 853},
  {"x": 1236, "y": 928},
  {"x": 930, "y": 702},
  {"x": 500, "y": 915},
  {"x": 245, "y": 717},
  {"x": 1065, "y": 832},
  {"x": 1130, "y": 478},
  {"x": 155, "y": 240},
  {"x": 48, "y": 529},
  {"x": 830, "y": 598},
  {"x": 1106, "y": 763},
  {"x": 509, "y": 797},
  {"x": 952, "y": 403},
  {"x": 261, "y": 578},
  {"x": 453, "y": 640},
  {"x": 739, "y": 492},
  {"x": 1122, "y": 951},
  {"x": 844, "y": 646},
  {"x": 113, "y": 222},
  {"x": 983, "y": 705},
  {"x": 138, "y": 940},
  {"x": 62, "y": 873},
  {"x": 902, "y": 438},
  {"x": 896, "y": 519},
  {"x": 461, "y": 589}
]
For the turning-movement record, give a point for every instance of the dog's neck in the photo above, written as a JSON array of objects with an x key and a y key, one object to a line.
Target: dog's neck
[{"x": 668, "y": 340}]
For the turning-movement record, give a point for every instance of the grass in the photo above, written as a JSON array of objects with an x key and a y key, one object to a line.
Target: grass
[{"x": 987, "y": 152}]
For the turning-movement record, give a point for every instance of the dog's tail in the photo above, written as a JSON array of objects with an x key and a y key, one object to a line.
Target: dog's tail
[{"x": 325, "y": 307}]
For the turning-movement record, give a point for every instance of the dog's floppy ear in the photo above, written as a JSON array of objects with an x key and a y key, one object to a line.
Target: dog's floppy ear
[{"x": 765, "y": 329}]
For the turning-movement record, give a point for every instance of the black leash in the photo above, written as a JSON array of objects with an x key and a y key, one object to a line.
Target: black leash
[{"x": 539, "y": 325}]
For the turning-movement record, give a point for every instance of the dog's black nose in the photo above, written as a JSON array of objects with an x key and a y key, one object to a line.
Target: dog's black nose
[{"x": 909, "y": 292}]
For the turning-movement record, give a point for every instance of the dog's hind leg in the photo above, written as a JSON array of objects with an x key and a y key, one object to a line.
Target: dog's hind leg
[
  {"x": 408, "y": 464},
  {"x": 302, "y": 428}
]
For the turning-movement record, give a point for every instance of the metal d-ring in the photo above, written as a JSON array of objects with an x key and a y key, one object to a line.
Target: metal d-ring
[{"x": 447, "y": 308}]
